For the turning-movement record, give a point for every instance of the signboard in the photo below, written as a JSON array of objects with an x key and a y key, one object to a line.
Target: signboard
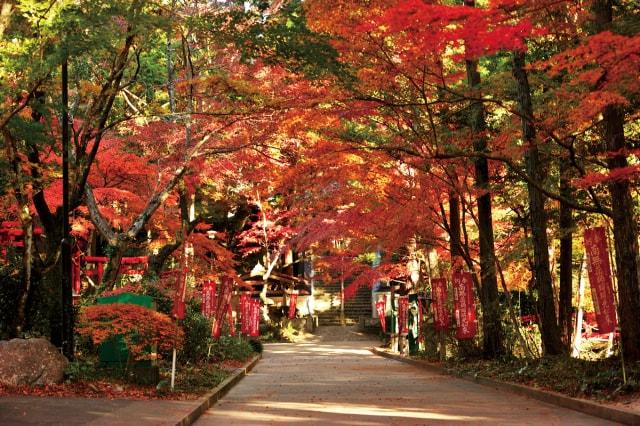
[
  {"x": 595, "y": 243},
  {"x": 464, "y": 304}
]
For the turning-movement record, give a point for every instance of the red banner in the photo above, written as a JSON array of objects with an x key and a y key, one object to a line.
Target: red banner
[
  {"x": 223, "y": 299},
  {"x": 403, "y": 317},
  {"x": 181, "y": 290},
  {"x": 179, "y": 308},
  {"x": 293, "y": 301},
  {"x": 245, "y": 313},
  {"x": 208, "y": 298},
  {"x": 381, "y": 307},
  {"x": 464, "y": 303},
  {"x": 439, "y": 296},
  {"x": 254, "y": 326},
  {"x": 595, "y": 243}
]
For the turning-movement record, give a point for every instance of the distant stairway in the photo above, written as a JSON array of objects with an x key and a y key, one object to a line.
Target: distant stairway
[{"x": 327, "y": 305}]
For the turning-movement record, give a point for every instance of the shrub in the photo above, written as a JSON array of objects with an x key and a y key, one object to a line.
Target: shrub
[
  {"x": 139, "y": 327},
  {"x": 197, "y": 336},
  {"x": 256, "y": 345},
  {"x": 231, "y": 348}
]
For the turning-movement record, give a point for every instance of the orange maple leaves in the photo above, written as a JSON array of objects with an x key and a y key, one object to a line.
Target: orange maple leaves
[{"x": 140, "y": 328}]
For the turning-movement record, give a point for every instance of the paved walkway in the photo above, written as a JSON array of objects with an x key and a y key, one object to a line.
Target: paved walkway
[
  {"x": 332, "y": 381},
  {"x": 33, "y": 410}
]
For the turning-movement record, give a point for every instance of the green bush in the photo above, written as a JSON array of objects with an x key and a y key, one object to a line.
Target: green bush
[
  {"x": 197, "y": 336},
  {"x": 197, "y": 379},
  {"x": 256, "y": 345},
  {"x": 231, "y": 348}
]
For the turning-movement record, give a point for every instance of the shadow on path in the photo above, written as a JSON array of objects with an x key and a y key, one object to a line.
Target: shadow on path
[{"x": 332, "y": 378}]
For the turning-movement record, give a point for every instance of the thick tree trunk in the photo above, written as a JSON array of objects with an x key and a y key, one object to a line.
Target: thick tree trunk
[
  {"x": 493, "y": 335},
  {"x": 113, "y": 267},
  {"x": 625, "y": 231},
  {"x": 566, "y": 259},
  {"x": 625, "y": 234},
  {"x": 550, "y": 332},
  {"x": 187, "y": 224}
]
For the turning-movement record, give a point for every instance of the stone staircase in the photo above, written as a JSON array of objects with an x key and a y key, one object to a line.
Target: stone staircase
[{"x": 327, "y": 305}]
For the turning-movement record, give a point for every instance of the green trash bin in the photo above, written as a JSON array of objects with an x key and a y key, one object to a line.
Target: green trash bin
[{"x": 113, "y": 353}]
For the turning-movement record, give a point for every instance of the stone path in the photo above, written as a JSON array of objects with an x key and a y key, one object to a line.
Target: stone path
[{"x": 331, "y": 380}]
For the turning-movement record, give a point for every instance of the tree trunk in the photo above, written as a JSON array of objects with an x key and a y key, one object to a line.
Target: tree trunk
[
  {"x": 625, "y": 231},
  {"x": 113, "y": 267},
  {"x": 493, "y": 335},
  {"x": 187, "y": 224},
  {"x": 454, "y": 231},
  {"x": 550, "y": 332},
  {"x": 625, "y": 234},
  {"x": 27, "y": 262},
  {"x": 566, "y": 259}
]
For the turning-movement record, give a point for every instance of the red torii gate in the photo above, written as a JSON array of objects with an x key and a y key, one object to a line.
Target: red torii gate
[
  {"x": 12, "y": 235},
  {"x": 131, "y": 265}
]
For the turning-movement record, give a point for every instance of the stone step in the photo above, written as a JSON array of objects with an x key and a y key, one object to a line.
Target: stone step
[{"x": 347, "y": 321}]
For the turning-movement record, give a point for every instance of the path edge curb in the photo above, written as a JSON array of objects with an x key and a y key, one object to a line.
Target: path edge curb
[
  {"x": 219, "y": 391},
  {"x": 583, "y": 406}
]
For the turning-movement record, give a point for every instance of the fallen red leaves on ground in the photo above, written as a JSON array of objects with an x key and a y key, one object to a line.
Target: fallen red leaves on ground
[
  {"x": 232, "y": 363},
  {"x": 96, "y": 390}
]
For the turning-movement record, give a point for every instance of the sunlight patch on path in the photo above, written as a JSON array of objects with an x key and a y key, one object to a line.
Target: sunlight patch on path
[{"x": 365, "y": 410}]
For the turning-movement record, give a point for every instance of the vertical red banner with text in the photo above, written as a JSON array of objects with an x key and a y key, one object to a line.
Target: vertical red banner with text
[
  {"x": 245, "y": 309},
  {"x": 464, "y": 303},
  {"x": 208, "y": 298},
  {"x": 381, "y": 307},
  {"x": 223, "y": 299},
  {"x": 293, "y": 300},
  {"x": 254, "y": 328},
  {"x": 595, "y": 243},
  {"x": 439, "y": 297},
  {"x": 181, "y": 290},
  {"x": 403, "y": 317}
]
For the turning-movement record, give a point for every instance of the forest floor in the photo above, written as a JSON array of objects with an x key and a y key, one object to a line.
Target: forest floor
[
  {"x": 191, "y": 383},
  {"x": 600, "y": 380}
]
